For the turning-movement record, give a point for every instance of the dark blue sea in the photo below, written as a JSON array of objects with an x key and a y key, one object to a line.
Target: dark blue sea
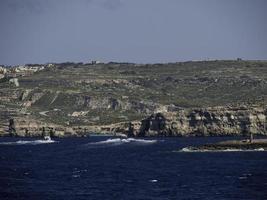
[{"x": 112, "y": 168}]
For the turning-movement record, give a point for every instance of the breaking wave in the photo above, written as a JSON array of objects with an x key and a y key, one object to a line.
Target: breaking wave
[
  {"x": 119, "y": 141},
  {"x": 28, "y": 142},
  {"x": 186, "y": 149}
]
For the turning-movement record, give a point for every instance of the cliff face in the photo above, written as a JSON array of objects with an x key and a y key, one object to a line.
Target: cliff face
[{"x": 216, "y": 121}]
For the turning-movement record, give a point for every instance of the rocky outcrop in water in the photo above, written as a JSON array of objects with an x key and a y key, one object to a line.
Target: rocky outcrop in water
[{"x": 12, "y": 128}]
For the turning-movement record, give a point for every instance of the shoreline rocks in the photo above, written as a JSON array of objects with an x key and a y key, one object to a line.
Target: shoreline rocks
[
  {"x": 215, "y": 121},
  {"x": 231, "y": 145}
]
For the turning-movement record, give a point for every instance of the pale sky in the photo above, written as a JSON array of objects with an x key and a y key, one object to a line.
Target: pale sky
[{"x": 141, "y": 31}]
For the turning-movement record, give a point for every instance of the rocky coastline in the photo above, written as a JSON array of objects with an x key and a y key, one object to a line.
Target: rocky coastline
[
  {"x": 231, "y": 145},
  {"x": 215, "y": 121}
]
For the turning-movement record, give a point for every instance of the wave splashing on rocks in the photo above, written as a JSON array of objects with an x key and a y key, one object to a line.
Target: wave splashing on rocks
[
  {"x": 28, "y": 142},
  {"x": 186, "y": 149},
  {"x": 119, "y": 141}
]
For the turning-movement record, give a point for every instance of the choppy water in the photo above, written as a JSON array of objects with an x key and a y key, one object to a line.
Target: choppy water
[{"x": 113, "y": 168}]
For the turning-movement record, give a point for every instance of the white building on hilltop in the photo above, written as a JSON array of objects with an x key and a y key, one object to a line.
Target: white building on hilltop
[
  {"x": 3, "y": 70},
  {"x": 96, "y": 62}
]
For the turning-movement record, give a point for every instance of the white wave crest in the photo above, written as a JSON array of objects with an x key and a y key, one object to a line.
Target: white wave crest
[
  {"x": 28, "y": 142},
  {"x": 186, "y": 149},
  {"x": 119, "y": 141}
]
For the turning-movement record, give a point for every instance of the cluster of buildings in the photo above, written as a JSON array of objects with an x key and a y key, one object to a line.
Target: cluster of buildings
[
  {"x": 29, "y": 69},
  {"x": 3, "y": 71},
  {"x": 21, "y": 70}
]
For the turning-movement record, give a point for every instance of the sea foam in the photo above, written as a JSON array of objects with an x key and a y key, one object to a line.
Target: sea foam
[
  {"x": 28, "y": 142},
  {"x": 119, "y": 141},
  {"x": 186, "y": 149}
]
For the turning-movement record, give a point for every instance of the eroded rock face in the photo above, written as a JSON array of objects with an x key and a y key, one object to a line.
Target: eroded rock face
[
  {"x": 154, "y": 125},
  {"x": 216, "y": 121},
  {"x": 206, "y": 122},
  {"x": 29, "y": 127}
]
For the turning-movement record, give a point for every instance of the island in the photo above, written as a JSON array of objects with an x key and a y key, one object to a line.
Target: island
[{"x": 183, "y": 99}]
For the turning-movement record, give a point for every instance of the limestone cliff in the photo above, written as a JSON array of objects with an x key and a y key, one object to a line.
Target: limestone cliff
[{"x": 216, "y": 121}]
